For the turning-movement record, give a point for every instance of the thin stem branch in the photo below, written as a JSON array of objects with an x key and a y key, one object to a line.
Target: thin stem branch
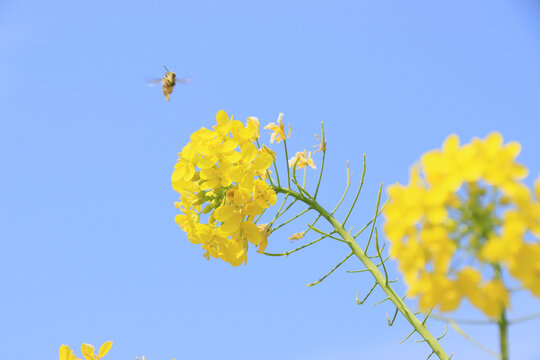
[
  {"x": 318, "y": 231},
  {"x": 380, "y": 255},
  {"x": 323, "y": 145},
  {"x": 374, "y": 219},
  {"x": 331, "y": 271},
  {"x": 358, "y": 192},
  {"x": 287, "y": 253},
  {"x": 346, "y": 189},
  {"x": 278, "y": 213},
  {"x": 370, "y": 221},
  {"x": 287, "y": 163},
  {"x": 277, "y": 173},
  {"x": 259, "y": 217},
  {"x": 292, "y": 219},
  {"x": 312, "y": 224},
  {"x": 367, "y": 295},
  {"x": 391, "y": 322},
  {"x": 300, "y": 189}
]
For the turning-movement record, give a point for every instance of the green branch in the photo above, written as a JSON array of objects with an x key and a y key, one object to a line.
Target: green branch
[{"x": 380, "y": 278}]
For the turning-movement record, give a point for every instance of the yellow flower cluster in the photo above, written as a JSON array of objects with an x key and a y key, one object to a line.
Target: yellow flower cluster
[
  {"x": 88, "y": 351},
  {"x": 462, "y": 222},
  {"x": 221, "y": 174}
]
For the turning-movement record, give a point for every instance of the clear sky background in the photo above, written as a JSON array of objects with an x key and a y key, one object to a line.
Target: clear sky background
[{"x": 89, "y": 250}]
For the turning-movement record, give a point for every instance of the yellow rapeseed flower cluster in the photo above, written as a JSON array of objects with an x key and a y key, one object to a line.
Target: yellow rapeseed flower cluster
[
  {"x": 220, "y": 175},
  {"x": 463, "y": 223},
  {"x": 88, "y": 351}
]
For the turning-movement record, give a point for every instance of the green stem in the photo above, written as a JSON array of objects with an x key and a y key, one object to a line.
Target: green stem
[
  {"x": 503, "y": 334},
  {"x": 502, "y": 322},
  {"x": 287, "y": 163},
  {"x": 323, "y": 146},
  {"x": 277, "y": 174},
  {"x": 419, "y": 326}
]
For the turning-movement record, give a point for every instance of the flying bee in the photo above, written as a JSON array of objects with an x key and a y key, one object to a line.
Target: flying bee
[{"x": 168, "y": 81}]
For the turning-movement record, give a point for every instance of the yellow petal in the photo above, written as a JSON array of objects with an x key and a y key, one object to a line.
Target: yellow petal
[
  {"x": 251, "y": 232},
  {"x": 65, "y": 353},
  {"x": 88, "y": 351},
  {"x": 537, "y": 188},
  {"x": 493, "y": 143},
  {"x": 203, "y": 133},
  {"x": 222, "y": 119},
  {"x": 232, "y": 224},
  {"x": 249, "y": 151},
  {"x": 224, "y": 213},
  {"x": 207, "y": 162},
  {"x": 263, "y": 161},
  {"x": 451, "y": 144},
  {"x": 104, "y": 349},
  {"x": 229, "y": 145},
  {"x": 233, "y": 157},
  {"x": 236, "y": 173}
]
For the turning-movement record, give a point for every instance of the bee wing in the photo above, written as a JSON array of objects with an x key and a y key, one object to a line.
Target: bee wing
[
  {"x": 153, "y": 82},
  {"x": 183, "y": 80}
]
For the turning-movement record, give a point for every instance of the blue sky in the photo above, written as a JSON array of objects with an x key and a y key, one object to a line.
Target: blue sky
[{"x": 89, "y": 250}]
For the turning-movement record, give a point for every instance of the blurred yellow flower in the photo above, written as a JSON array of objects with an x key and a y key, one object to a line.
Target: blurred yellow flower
[
  {"x": 87, "y": 351},
  {"x": 220, "y": 176},
  {"x": 65, "y": 353},
  {"x": 466, "y": 205}
]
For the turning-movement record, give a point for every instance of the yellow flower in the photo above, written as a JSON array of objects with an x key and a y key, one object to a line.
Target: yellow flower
[
  {"x": 465, "y": 204},
  {"x": 248, "y": 133},
  {"x": 436, "y": 290},
  {"x": 494, "y": 298},
  {"x": 525, "y": 265},
  {"x": 278, "y": 130},
  {"x": 220, "y": 176},
  {"x": 88, "y": 351},
  {"x": 302, "y": 159},
  {"x": 65, "y": 353}
]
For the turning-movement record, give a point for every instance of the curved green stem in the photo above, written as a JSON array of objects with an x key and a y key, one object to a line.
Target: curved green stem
[{"x": 419, "y": 326}]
